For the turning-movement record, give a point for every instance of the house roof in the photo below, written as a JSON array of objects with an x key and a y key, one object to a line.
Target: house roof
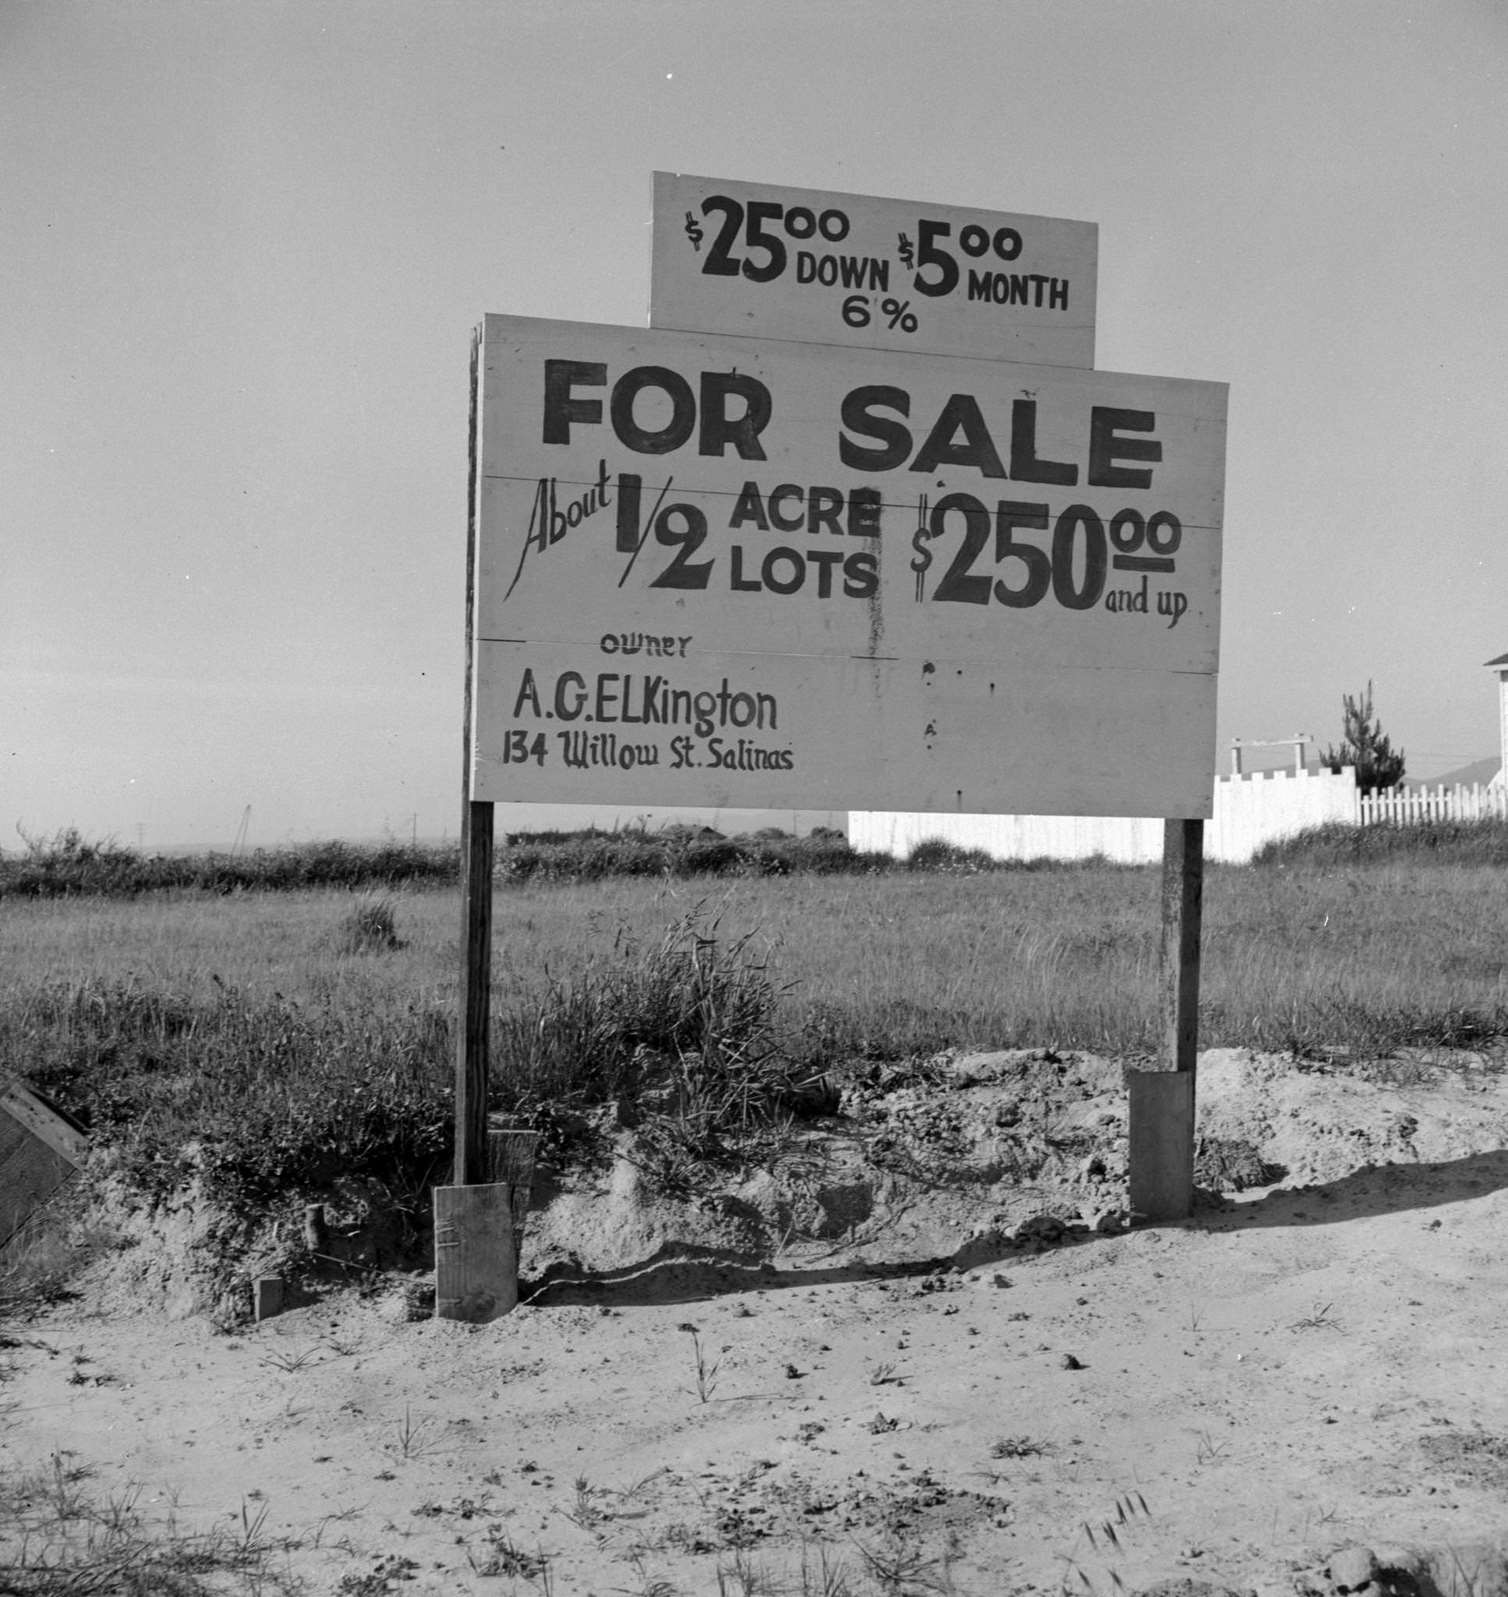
[{"x": 1502, "y": 659}]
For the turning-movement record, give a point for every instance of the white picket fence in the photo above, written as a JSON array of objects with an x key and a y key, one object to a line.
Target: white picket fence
[
  {"x": 1402, "y": 807},
  {"x": 1249, "y": 810}
]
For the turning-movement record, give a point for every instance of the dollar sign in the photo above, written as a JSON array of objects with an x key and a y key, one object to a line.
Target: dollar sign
[
  {"x": 694, "y": 233},
  {"x": 907, "y": 251},
  {"x": 922, "y": 559}
]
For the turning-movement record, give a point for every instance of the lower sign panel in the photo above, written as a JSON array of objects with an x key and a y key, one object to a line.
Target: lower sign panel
[
  {"x": 717, "y": 571},
  {"x": 570, "y": 724}
]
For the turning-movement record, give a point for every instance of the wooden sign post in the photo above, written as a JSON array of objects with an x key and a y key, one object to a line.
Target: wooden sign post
[
  {"x": 1161, "y": 1108},
  {"x": 476, "y": 1274},
  {"x": 473, "y": 1061}
]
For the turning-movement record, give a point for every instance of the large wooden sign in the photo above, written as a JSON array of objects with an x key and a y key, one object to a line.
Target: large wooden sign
[
  {"x": 754, "y": 259},
  {"x": 736, "y": 572}
]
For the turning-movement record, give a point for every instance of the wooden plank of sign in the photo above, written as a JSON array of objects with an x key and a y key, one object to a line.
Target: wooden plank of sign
[{"x": 887, "y": 734}]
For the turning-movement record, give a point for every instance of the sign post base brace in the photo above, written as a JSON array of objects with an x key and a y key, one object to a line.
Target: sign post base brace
[{"x": 476, "y": 1264}]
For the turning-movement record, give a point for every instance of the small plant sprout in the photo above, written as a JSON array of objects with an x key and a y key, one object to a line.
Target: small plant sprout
[
  {"x": 1017, "y": 1447},
  {"x": 649, "y": 1585},
  {"x": 1210, "y": 1451},
  {"x": 118, "y": 1511},
  {"x": 828, "y": 1579},
  {"x": 585, "y": 1510},
  {"x": 903, "y": 1568},
  {"x": 1317, "y": 1319},
  {"x": 62, "y": 1480},
  {"x": 706, "y": 1367},
  {"x": 414, "y": 1438},
  {"x": 744, "y": 1578},
  {"x": 251, "y": 1540},
  {"x": 503, "y": 1556},
  {"x": 289, "y": 1363},
  {"x": 630, "y": 1494}
]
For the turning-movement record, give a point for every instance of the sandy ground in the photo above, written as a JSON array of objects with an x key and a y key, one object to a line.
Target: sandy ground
[{"x": 936, "y": 1394}]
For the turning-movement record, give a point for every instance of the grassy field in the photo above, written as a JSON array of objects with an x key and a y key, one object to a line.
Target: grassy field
[{"x": 289, "y": 1035}]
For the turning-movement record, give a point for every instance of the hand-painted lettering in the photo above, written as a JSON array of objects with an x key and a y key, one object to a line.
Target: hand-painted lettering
[
  {"x": 785, "y": 570},
  {"x": 656, "y": 647},
  {"x": 856, "y": 513},
  {"x": 977, "y": 449},
  {"x": 626, "y": 698},
  {"x": 1106, "y": 446},
  {"x": 1018, "y": 288},
  {"x": 580, "y": 750},
  {"x": 858, "y": 414},
  {"x": 548, "y": 523},
  {"x": 743, "y": 755},
  {"x": 843, "y": 271},
  {"x": 647, "y": 428},
  {"x": 1073, "y": 565},
  {"x": 961, "y": 436}
]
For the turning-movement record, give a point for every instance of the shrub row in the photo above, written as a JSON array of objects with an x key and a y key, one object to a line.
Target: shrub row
[
  {"x": 592, "y": 854},
  {"x": 67, "y": 865},
  {"x": 1479, "y": 842}
]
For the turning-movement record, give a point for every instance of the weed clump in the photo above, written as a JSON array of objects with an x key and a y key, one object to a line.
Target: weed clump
[
  {"x": 678, "y": 1035},
  {"x": 936, "y": 854},
  {"x": 265, "y": 1101},
  {"x": 256, "y": 1096},
  {"x": 371, "y": 927}
]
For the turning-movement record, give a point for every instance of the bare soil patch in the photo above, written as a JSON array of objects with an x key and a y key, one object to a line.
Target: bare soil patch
[{"x": 921, "y": 1351}]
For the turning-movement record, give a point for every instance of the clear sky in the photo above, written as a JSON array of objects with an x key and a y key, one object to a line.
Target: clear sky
[{"x": 245, "y": 246}]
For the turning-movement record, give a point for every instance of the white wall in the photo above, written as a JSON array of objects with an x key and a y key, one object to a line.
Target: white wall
[{"x": 1249, "y": 811}]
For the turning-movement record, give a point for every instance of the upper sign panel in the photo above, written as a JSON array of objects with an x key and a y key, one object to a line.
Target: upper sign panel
[{"x": 756, "y": 260}]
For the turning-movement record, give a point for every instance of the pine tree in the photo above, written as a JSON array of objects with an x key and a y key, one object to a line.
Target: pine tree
[{"x": 1365, "y": 746}]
